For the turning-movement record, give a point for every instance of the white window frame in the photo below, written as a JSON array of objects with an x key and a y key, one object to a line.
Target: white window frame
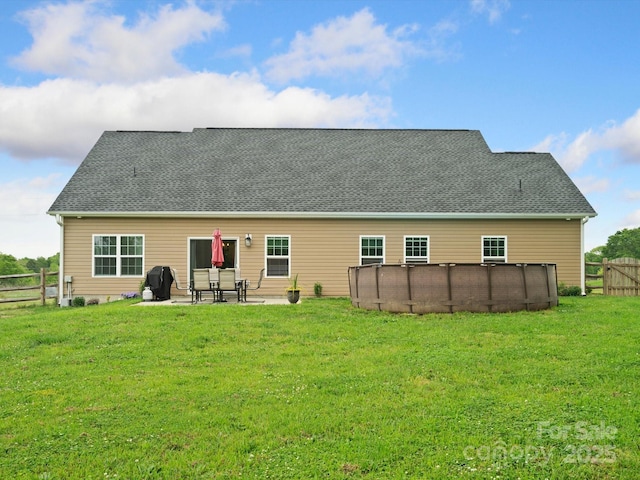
[
  {"x": 267, "y": 257},
  {"x": 363, "y": 257},
  {"x": 118, "y": 255},
  {"x": 418, "y": 258},
  {"x": 493, "y": 258}
]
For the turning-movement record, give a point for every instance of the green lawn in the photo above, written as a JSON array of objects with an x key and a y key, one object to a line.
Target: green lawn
[{"x": 319, "y": 390}]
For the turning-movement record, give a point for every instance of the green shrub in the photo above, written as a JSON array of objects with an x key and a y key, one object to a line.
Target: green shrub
[
  {"x": 78, "y": 302},
  {"x": 317, "y": 289},
  {"x": 571, "y": 291}
]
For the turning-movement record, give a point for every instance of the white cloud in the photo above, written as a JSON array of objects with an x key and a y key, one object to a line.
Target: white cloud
[
  {"x": 63, "y": 118},
  {"x": 81, "y": 41},
  {"x": 120, "y": 75},
  {"x": 492, "y": 8},
  {"x": 244, "y": 50},
  {"x": 343, "y": 45},
  {"x": 436, "y": 46},
  {"x": 26, "y": 197},
  {"x": 550, "y": 143},
  {"x": 624, "y": 140},
  {"x": 632, "y": 220},
  {"x": 632, "y": 195},
  {"x": 577, "y": 152},
  {"x": 591, "y": 184},
  {"x": 25, "y": 229}
]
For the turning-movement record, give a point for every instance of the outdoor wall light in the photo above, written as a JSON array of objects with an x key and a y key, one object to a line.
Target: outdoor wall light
[{"x": 247, "y": 240}]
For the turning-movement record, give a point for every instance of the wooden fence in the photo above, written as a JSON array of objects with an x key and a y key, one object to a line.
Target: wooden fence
[
  {"x": 620, "y": 277},
  {"x": 45, "y": 290}
]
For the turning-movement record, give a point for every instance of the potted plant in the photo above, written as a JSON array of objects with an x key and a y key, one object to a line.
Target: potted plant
[{"x": 293, "y": 290}]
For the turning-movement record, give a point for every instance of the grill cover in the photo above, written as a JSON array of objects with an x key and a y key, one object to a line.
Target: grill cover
[{"x": 159, "y": 280}]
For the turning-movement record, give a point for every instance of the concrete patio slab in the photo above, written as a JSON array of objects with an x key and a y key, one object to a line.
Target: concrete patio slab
[{"x": 178, "y": 301}]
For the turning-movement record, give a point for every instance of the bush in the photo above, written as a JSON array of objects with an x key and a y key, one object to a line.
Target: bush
[
  {"x": 317, "y": 289},
  {"x": 572, "y": 291},
  {"x": 78, "y": 302}
]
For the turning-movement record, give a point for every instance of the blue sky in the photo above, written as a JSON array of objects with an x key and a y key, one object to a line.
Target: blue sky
[{"x": 556, "y": 76}]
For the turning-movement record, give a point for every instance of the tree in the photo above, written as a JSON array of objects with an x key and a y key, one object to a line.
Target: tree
[
  {"x": 36, "y": 264},
  {"x": 624, "y": 243},
  {"x": 54, "y": 263},
  {"x": 9, "y": 266},
  {"x": 593, "y": 255}
]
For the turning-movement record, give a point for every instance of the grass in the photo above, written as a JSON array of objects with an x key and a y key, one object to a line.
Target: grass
[{"x": 319, "y": 390}]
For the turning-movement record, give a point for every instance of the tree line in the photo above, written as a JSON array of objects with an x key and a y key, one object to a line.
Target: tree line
[{"x": 10, "y": 265}]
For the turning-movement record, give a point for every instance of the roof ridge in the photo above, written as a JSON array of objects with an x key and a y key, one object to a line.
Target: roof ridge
[
  {"x": 522, "y": 152},
  {"x": 149, "y": 131},
  {"x": 323, "y": 129}
]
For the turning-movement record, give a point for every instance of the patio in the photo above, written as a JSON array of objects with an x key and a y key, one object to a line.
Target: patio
[{"x": 184, "y": 300}]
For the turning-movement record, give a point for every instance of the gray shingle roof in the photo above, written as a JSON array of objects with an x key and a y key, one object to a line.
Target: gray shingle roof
[{"x": 225, "y": 170}]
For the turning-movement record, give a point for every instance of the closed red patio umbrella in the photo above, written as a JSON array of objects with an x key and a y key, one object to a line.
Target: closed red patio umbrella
[{"x": 217, "y": 256}]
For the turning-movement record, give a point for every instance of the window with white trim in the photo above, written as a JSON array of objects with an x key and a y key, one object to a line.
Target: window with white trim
[
  {"x": 278, "y": 255},
  {"x": 416, "y": 249},
  {"x": 494, "y": 249},
  {"x": 118, "y": 255},
  {"x": 371, "y": 250}
]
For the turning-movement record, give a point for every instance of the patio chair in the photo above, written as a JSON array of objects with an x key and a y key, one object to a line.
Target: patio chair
[
  {"x": 227, "y": 283},
  {"x": 248, "y": 287},
  {"x": 179, "y": 286},
  {"x": 200, "y": 283},
  {"x": 213, "y": 274}
]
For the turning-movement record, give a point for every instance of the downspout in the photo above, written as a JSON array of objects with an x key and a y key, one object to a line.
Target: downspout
[
  {"x": 582, "y": 265},
  {"x": 60, "y": 221}
]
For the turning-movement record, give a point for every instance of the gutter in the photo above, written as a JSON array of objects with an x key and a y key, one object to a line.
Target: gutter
[
  {"x": 583, "y": 283},
  {"x": 345, "y": 215},
  {"x": 60, "y": 221}
]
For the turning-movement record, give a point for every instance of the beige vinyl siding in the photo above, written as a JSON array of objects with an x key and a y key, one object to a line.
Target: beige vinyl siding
[{"x": 321, "y": 250}]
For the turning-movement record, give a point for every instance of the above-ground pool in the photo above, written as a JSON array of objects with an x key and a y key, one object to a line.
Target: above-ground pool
[{"x": 454, "y": 287}]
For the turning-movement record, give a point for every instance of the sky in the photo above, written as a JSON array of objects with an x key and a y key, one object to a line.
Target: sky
[{"x": 537, "y": 75}]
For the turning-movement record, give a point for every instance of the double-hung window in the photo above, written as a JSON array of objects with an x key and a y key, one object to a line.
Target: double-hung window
[
  {"x": 494, "y": 249},
  {"x": 416, "y": 249},
  {"x": 278, "y": 255},
  {"x": 371, "y": 250},
  {"x": 118, "y": 255}
]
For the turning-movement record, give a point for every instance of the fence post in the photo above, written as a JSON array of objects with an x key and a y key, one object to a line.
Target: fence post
[
  {"x": 43, "y": 287},
  {"x": 450, "y": 294},
  {"x": 605, "y": 277}
]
